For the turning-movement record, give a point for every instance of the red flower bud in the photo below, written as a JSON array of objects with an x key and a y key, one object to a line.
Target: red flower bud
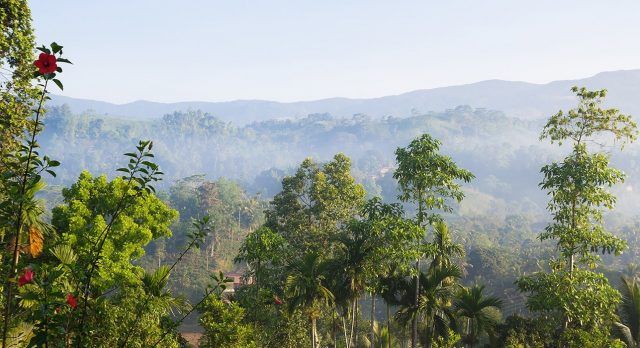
[
  {"x": 71, "y": 301},
  {"x": 26, "y": 277},
  {"x": 277, "y": 300},
  {"x": 46, "y": 63}
]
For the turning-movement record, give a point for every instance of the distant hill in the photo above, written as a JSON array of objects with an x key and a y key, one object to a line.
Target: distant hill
[{"x": 516, "y": 99}]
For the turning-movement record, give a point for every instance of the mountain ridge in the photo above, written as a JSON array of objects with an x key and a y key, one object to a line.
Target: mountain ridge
[{"x": 515, "y": 98}]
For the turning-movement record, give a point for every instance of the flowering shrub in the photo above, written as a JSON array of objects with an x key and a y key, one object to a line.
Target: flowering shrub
[
  {"x": 46, "y": 63},
  {"x": 78, "y": 285}
]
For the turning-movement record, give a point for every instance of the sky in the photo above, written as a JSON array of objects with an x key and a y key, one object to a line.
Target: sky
[{"x": 198, "y": 50}]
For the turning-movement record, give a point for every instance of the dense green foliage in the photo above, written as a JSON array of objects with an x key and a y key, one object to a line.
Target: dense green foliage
[
  {"x": 17, "y": 95},
  {"x": 125, "y": 261},
  {"x": 224, "y": 325},
  {"x": 579, "y": 192}
]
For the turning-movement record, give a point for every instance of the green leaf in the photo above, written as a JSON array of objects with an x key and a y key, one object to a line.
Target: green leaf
[
  {"x": 58, "y": 83},
  {"x": 64, "y": 254},
  {"x": 55, "y": 47},
  {"x": 44, "y": 49}
]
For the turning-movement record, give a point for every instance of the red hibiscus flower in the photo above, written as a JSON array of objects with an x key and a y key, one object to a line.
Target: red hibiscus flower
[
  {"x": 26, "y": 277},
  {"x": 72, "y": 301},
  {"x": 277, "y": 300},
  {"x": 46, "y": 63}
]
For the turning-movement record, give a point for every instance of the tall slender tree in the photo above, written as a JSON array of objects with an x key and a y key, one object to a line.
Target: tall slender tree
[
  {"x": 431, "y": 181},
  {"x": 442, "y": 249},
  {"x": 434, "y": 301},
  {"x": 578, "y": 188},
  {"x": 306, "y": 289}
]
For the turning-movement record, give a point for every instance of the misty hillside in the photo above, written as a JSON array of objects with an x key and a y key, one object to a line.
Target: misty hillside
[
  {"x": 515, "y": 99},
  {"x": 503, "y": 152}
]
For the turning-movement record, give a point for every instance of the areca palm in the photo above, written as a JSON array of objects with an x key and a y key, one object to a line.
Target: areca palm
[
  {"x": 442, "y": 249},
  {"x": 390, "y": 288},
  {"x": 306, "y": 289},
  {"x": 629, "y": 311},
  {"x": 381, "y": 337},
  {"x": 356, "y": 249},
  {"x": 155, "y": 284},
  {"x": 434, "y": 301},
  {"x": 156, "y": 298},
  {"x": 481, "y": 313}
]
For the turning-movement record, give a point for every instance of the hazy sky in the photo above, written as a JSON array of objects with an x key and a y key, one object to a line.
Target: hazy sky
[{"x": 299, "y": 50}]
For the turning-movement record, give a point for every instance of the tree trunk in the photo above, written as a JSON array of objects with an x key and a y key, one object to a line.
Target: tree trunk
[
  {"x": 373, "y": 318},
  {"x": 344, "y": 328},
  {"x": 353, "y": 321},
  {"x": 414, "y": 322},
  {"x": 430, "y": 331},
  {"x": 389, "y": 323},
  {"x": 334, "y": 333},
  {"x": 404, "y": 336},
  {"x": 355, "y": 335},
  {"x": 471, "y": 338},
  {"x": 313, "y": 333}
]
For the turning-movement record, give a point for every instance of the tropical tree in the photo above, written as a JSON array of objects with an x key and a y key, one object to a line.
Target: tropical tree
[
  {"x": 395, "y": 239},
  {"x": 353, "y": 265},
  {"x": 264, "y": 251},
  {"x": 390, "y": 287},
  {"x": 434, "y": 306},
  {"x": 579, "y": 193},
  {"x": 479, "y": 313},
  {"x": 429, "y": 180},
  {"x": 628, "y": 328},
  {"x": 223, "y": 324},
  {"x": 306, "y": 289},
  {"x": 315, "y": 203},
  {"x": 380, "y": 337},
  {"x": 442, "y": 249}
]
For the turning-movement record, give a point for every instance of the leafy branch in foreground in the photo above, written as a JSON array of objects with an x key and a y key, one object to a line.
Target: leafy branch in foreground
[
  {"x": 140, "y": 173},
  {"x": 216, "y": 287},
  {"x": 23, "y": 173},
  {"x": 196, "y": 238}
]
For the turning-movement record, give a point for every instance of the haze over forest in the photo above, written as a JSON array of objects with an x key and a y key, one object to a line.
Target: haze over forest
[
  {"x": 358, "y": 174},
  {"x": 490, "y": 127}
]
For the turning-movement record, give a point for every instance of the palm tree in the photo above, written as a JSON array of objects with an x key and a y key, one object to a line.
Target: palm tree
[
  {"x": 380, "y": 337},
  {"x": 157, "y": 297},
  {"x": 443, "y": 248},
  {"x": 628, "y": 329},
  {"x": 306, "y": 290},
  {"x": 481, "y": 313},
  {"x": 352, "y": 265},
  {"x": 390, "y": 287},
  {"x": 434, "y": 301},
  {"x": 155, "y": 283}
]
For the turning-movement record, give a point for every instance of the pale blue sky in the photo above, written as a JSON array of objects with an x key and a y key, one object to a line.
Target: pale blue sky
[{"x": 299, "y": 50}]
